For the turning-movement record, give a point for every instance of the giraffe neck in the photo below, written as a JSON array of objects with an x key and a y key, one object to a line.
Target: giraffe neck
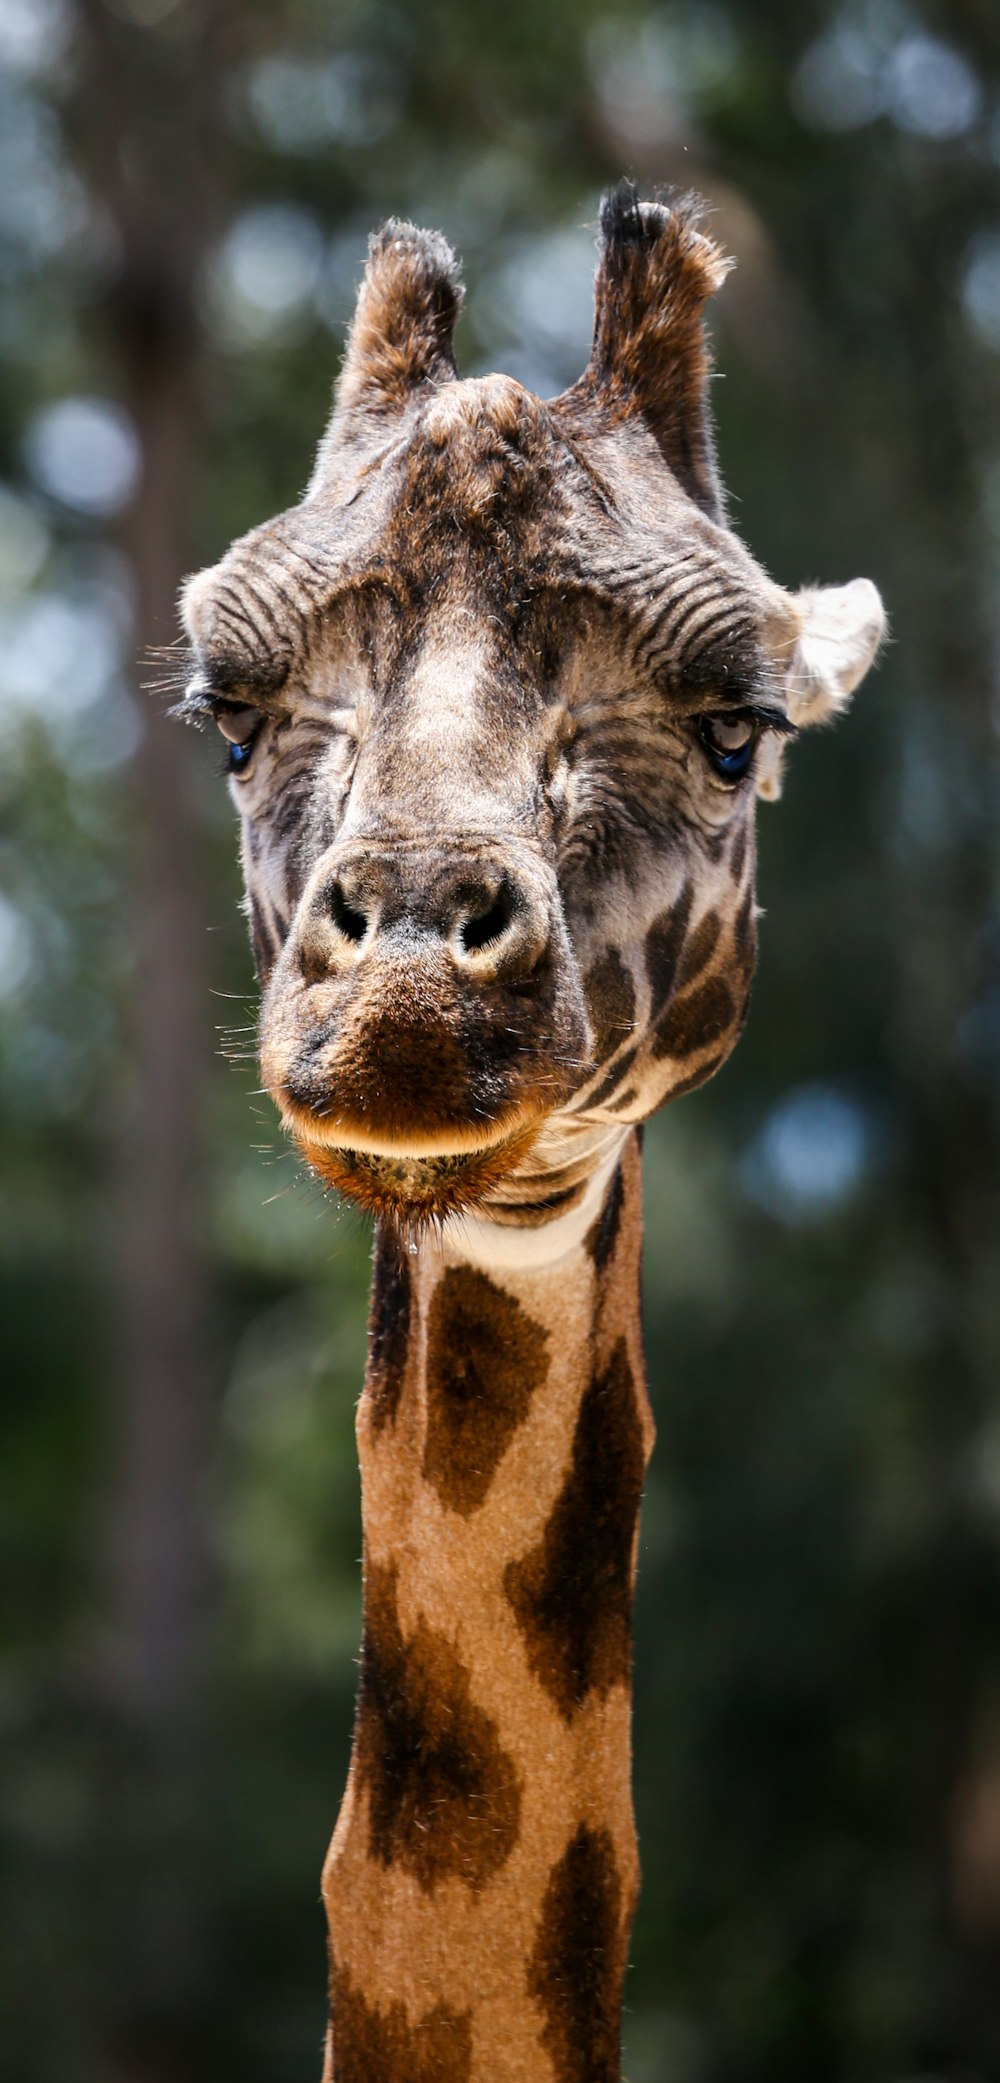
[{"x": 483, "y": 1872}]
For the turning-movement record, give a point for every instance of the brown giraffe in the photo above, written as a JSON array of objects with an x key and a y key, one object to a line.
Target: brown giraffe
[{"x": 500, "y": 693}]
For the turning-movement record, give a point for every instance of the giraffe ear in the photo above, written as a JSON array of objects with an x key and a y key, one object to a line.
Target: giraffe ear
[
  {"x": 841, "y": 629},
  {"x": 650, "y": 358},
  {"x": 826, "y": 637},
  {"x": 400, "y": 338}
]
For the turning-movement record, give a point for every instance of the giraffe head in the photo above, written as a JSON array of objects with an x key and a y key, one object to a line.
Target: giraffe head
[{"x": 500, "y": 694}]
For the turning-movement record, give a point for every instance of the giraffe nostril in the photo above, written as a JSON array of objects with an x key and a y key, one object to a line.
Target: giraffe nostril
[
  {"x": 346, "y": 917},
  {"x": 489, "y": 925}
]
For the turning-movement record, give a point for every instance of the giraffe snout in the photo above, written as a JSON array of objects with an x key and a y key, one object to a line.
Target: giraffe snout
[
  {"x": 491, "y": 918},
  {"x": 426, "y": 1003}
]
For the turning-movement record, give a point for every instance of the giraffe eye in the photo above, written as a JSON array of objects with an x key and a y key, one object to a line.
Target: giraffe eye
[
  {"x": 241, "y": 726},
  {"x": 729, "y": 743}
]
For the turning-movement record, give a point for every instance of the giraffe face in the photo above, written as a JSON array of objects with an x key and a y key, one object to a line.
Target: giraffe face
[{"x": 500, "y": 695}]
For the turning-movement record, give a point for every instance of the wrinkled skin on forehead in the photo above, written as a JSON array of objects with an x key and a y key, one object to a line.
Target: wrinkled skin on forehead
[{"x": 502, "y": 692}]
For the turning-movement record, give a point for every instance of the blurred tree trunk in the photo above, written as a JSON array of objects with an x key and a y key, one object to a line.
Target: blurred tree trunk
[{"x": 149, "y": 110}]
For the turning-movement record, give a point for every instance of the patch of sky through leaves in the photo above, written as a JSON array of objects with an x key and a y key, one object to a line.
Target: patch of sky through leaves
[
  {"x": 878, "y": 60},
  {"x": 297, "y": 104},
  {"x": 810, "y": 1156}
]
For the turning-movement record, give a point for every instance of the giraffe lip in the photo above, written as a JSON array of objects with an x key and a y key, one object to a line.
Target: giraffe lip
[
  {"x": 475, "y": 1140},
  {"x": 416, "y": 1189}
]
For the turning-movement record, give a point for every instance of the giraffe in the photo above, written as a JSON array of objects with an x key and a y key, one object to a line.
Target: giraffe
[{"x": 499, "y": 695}]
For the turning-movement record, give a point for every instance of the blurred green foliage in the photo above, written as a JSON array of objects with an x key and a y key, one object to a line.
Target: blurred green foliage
[{"x": 818, "y": 1631}]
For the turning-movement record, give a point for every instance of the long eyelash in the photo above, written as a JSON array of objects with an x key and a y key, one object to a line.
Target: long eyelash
[
  {"x": 763, "y": 714},
  {"x": 771, "y": 719},
  {"x": 193, "y": 707},
  {"x": 171, "y": 666}
]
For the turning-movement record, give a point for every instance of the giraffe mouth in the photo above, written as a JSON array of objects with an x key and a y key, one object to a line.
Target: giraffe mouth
[{"x": 414, "y": 1191}]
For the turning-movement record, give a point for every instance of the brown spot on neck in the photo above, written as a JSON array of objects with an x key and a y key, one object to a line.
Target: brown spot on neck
[
  {"x": 486, "y": 1357},
  {"x": 572, "y": 1594},
  {"x": 444, "y": 1797},
  {"x": 600, "y": 1241},
  {"x": 388, "y": 1326},
  {"x": 578, "y": 1964},
  {"x": 376, "y": 2046}
]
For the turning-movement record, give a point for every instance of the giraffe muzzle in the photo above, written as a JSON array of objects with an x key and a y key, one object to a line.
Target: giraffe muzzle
[
  {"x": 491, "y": 915},
  {"x": 426, "y": 1007}
]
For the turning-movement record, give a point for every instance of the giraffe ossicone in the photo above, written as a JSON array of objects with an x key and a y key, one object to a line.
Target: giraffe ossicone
[{"x": 500, "y": 693}]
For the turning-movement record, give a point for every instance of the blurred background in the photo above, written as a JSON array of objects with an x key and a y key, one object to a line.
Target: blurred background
[{"x": 186, "y": 187}]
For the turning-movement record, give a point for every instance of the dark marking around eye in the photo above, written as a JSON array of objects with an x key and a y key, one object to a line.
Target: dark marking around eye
[
  {"x": 388, "y": 1327},
  {"x": 238, "y": 672},
  {"x": 664, "y": 943},
  {"x": 697, "y": 1021},
  {"x": 577, "y": 1968},
  {"x": 486, "y": 1357},
  {"x": 443, "y": 1795},
  {"x": 376, "y": 2046},
  {"x": 610, "y": 995},
  {"x": 572, "y": 1594}
]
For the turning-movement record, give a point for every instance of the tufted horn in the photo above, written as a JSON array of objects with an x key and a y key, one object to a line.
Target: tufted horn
[
  {"x": 400, "y": 337},
  {"x": 650, "y": 358}
]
